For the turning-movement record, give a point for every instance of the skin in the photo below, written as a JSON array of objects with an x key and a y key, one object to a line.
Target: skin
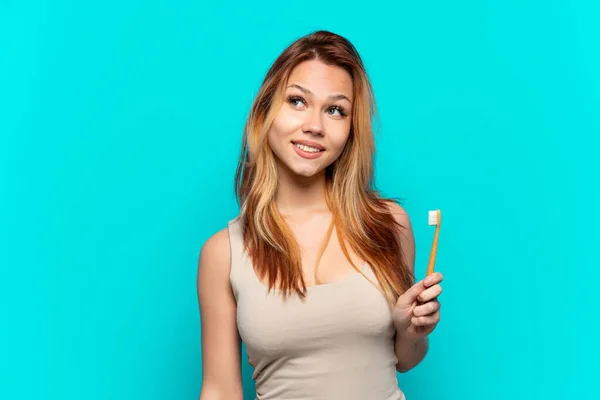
[{"x": 317, "y": 108}]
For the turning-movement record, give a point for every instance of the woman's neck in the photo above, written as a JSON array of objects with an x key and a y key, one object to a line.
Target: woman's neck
[{"x": 300, "y": 196}]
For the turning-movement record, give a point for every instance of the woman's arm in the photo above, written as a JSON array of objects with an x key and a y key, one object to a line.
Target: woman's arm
[
  {"x": 409, "y": 352},
  {"x": 221, "y": 345}
]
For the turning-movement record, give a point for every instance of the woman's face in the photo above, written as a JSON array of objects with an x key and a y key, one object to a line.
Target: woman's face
[{"x": 311, "y": 128}]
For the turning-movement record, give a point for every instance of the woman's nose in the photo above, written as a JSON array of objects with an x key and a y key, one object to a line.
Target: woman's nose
[{"x": 313, "y": 124}]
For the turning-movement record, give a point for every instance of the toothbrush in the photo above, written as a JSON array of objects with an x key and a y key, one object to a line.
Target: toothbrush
[{"x": 435, "y": 218}]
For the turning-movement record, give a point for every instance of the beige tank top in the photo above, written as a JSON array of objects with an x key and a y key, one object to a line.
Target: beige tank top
[{"x": 336, "y": 344}]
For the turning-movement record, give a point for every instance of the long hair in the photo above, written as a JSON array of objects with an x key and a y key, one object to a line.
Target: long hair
[{"x": 362, "y": 218}]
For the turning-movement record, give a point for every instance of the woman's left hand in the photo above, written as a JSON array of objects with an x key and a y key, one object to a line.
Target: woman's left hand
[{"x": 417, "y": 311}]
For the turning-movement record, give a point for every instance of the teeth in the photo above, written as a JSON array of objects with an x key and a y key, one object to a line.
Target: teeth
[{"x": 306, "y": 148}]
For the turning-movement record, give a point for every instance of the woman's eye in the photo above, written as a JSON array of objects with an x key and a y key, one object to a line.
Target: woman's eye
[
  {"x": 337, "y": 109},
  {"x": 295, "y": 101}
]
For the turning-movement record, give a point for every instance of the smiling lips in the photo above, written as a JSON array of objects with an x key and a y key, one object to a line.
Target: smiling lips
[{"x": 308, "y": 149}]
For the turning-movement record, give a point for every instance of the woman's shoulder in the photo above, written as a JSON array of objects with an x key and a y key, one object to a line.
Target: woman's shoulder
[
  {"x": 405, "y": 231},
  {"x": 218, "y": 243},
  {"x": 215, "y": 254},
  {"x": 399, "y": 213}
]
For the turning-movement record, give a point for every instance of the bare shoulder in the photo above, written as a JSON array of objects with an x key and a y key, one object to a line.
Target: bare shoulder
[
  {"x": 400, "y": 215},
  {"x": 214, "y": 261},
  {"x": 406, "y": 234},
  {"x": 215, "y": 253}
]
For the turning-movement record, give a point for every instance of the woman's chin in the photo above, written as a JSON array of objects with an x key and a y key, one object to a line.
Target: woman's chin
[{"x": 304, "y": 171}]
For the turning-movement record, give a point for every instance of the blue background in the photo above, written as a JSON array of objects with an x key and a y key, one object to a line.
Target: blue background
[{"x": 120, "y": 125}]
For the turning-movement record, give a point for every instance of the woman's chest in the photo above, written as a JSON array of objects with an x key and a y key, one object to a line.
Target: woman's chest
[{"x": 330, "y": 315}]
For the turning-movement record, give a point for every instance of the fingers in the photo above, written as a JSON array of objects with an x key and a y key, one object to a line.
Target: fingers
[
  {"x": 411, "y": 295},
  {"x": 429, "y": 293},
  {"x": 432, "y": 319},
  {"x": 433, "y": 279},
  {"x": 427, "y": 309},
  {"x": 427, "y": 312},
  {"x": 422, "y": 291}
]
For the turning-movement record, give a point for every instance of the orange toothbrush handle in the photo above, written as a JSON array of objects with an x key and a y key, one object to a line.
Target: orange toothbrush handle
[{"x": 431, "y": 264}]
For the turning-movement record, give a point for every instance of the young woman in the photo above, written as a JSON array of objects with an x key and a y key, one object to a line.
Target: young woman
[{"x": 316, "y": 273}]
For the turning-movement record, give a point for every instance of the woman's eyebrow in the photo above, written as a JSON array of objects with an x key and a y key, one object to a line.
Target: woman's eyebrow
[{"x": 332, "y": 97}]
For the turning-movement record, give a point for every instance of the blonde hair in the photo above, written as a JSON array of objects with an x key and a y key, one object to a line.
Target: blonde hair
[{"x": 362, "y": 218}]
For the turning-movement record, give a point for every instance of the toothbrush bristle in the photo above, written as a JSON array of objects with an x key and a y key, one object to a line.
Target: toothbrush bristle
[{"x": 433, "y": 217}]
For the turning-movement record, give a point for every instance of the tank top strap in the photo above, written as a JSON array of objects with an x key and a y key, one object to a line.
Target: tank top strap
[
  {"x": 239, "y": 274},
  {"x": 236, "y": 240}
]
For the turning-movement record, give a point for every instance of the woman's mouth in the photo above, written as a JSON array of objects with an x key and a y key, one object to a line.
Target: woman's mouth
[{"x": 305, "y": 150}]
